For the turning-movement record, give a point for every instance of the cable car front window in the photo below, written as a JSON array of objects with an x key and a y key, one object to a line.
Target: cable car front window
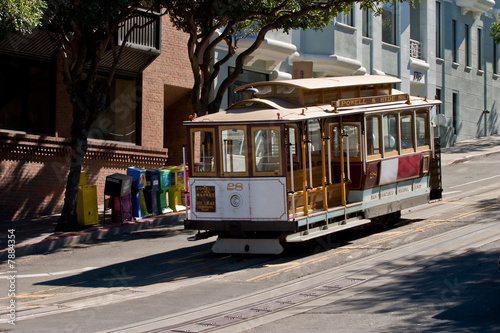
[
  {"x": 203, "y": 151},
  {"x": 233, "y": 150}
]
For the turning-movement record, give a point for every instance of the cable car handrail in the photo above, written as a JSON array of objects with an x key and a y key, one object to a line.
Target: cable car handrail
[
  {"x": 348, "y": 157},
  {"x": 309, "y": 153},
  {"x": 292, "y": 185}
]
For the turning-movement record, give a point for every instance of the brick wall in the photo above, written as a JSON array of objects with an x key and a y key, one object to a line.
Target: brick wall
[
  {"x": 33, "y": 177},
  {"x": 171, "y": 69},
  {"x": 176, "y": 113},
  {"x": 33, "y": 169}
]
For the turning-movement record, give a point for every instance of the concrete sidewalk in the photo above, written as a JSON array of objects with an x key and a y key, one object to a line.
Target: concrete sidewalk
[
  {"x": 470, "y": 149},
  {"x": 37, "y": 236}
]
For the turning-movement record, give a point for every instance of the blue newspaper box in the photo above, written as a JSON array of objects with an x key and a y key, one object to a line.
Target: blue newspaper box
[{"x": 139, "y": 208}]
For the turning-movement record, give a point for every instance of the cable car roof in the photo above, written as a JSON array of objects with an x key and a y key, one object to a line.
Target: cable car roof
[
  {"x": 327, "y": 82},
  {"x": 281, "y": 108}
]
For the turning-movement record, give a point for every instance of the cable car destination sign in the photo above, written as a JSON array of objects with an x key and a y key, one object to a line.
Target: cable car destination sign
[{"x": 364, "y": 101}]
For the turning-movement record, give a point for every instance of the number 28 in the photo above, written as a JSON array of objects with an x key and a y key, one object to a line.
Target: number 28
[{"x": 234, "y": 186}]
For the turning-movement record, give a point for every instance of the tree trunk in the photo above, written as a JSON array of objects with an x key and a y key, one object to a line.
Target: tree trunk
[{"x": 79, "y": 133}]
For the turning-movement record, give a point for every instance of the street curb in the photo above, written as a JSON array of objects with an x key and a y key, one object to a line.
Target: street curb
[
  {"x": 60, "y": 240},
  {"x": 471, "y": 157}
]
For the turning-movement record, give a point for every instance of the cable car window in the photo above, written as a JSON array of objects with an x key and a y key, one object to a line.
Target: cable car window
[
  {"x": 352, "y": 132},
  {"x": 250, "y": 104},
  {"x": 292, "y": 138},
  {"x": 286, "y": 90},
  {"x": 203, "y": 151},
  {"x": 288, "y": 93},
  {"x": 233, "y": 150},
  {"x": 266, "y": 151},
  {"x": 406, "y": 123},
  {"x": 330, "y": 95},
  {"x": 423, "y": 136},
  {"x": 336, "y": 140},
  {"x": 312, "y": 100},
  {"x": 367, "y": 91},
  {"x": 373, "y": 137},
  {"x": 390, "y": 134},
  {"x": 349, "y": 92},
  {"x": 314, "y": 135},
  {"x": 351, "y": 141},
  {"x": 265, "y": 91},
  {"x": 313, "y": 97}
]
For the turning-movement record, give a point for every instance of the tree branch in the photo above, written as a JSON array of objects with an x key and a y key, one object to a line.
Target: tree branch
[{"x": 240, "y": 59}]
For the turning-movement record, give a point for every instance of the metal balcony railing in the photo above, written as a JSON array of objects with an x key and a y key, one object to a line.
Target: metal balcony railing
[
  {"x": 415, "y": 49},
  {"x": 146, "y": 34}
]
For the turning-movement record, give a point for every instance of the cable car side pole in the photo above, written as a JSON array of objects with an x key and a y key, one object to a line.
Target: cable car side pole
[
  {"x": 186, "y": 189},
  {"x": 292, "y": 185}
]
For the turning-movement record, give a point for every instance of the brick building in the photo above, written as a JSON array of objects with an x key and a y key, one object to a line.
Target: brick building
[{"x": 142, "y": 125}]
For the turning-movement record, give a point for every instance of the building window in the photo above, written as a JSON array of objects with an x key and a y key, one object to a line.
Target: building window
[
  {"x": 119, "y": 121},
  {"x": 27, "y": 102},
  {"x": 367, "y": 21},
  {"x": 389, "y": 23},
  {"x": 346, "y": 18},
  {"x": 438, "y": 30},
  {"x": 454, "y": 49},
  {"x": 467, "y": 45},
  {"x": 454, "y": 110},
  {"x": 495, "y": 60},
  {"x": 438, "y": 96},
  {"x": 245, "y": 78},
  {"x": 479, "y": 49}
]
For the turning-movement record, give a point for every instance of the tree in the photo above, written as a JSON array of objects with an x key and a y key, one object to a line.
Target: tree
[
  {"x": 20, "y": 15},
  {"x": 211, "y": 22},
  {"x": 83, "y": 31},
  {"x": 495, "y": 31}
]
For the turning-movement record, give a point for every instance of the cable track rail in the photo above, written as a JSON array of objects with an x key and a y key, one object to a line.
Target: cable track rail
[
  {"x": 350, "y": 276},
  {"x": 256, "y": 310}
]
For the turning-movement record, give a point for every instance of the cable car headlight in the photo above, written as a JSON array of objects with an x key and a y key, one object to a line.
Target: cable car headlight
[{"x": 235, "y": 200}]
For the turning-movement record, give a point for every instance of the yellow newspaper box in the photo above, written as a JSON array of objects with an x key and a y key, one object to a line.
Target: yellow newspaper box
[
  {"x": 86, "y": 202},
  {"x": 176, "y": 189}
]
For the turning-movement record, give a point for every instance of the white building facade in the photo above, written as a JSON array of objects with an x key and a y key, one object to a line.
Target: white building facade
[{"x": 438, "y": 48}]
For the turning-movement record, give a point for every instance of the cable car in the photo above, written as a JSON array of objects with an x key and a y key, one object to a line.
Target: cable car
[{"x": 303, "y": 158}]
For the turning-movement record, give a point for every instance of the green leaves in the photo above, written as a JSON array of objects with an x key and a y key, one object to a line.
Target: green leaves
[
  {"x": 495, "y": 31},
  {"x": 20, "y": 15}
]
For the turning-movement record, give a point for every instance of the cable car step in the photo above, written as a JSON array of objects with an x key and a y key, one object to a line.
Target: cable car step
[
  {"x": 323, "y": 230},
  {"x": 247, "y": 246}
]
